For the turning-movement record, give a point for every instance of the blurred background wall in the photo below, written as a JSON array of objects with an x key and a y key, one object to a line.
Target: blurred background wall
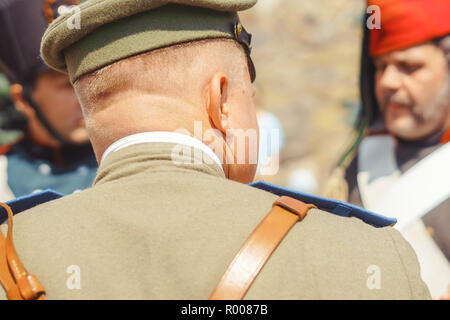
[{"x": 307, "y": 57}]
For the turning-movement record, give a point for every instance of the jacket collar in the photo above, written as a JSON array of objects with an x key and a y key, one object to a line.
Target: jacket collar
[
  {"x": 160, "y": 136},
  {"x": 157, "y": 151}
]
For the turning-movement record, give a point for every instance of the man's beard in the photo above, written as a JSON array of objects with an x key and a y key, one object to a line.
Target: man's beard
[{"x": 438, "y": 108}]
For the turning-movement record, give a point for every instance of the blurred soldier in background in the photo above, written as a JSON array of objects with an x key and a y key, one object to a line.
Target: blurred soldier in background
[
  {"x": 401, "y": 167},
  {"x": 55, "y": 152}
]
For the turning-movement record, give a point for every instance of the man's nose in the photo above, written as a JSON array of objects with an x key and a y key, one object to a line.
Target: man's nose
[{"x": 391, "y": 78}]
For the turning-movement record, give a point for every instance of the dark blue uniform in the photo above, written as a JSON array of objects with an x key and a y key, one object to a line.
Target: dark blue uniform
[{"x": 28, "y": 168}]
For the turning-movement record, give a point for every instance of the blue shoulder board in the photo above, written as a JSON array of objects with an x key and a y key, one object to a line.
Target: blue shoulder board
[
  {"x": 336, "y": 207},
  {"x": 27, "y": 202}
]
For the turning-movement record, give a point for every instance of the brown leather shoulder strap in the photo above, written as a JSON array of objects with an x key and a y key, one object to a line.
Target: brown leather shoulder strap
[
  {"x": 258, "y": 248},
  {"x": 243, "y": 270},
  {"x": 17, "y": 282}
]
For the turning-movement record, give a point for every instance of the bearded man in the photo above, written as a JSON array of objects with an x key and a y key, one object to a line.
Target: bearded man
[{"x": 402, "y": 155}]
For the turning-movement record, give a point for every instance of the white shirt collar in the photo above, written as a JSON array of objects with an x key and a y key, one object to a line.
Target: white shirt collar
[{"x": 160, "y": 136}]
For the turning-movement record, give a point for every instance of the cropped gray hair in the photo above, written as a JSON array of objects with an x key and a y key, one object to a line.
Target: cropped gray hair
[{"x": 444, "y": 44}]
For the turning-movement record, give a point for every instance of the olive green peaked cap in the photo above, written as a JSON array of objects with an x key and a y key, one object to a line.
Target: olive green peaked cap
[{"x": 101, "y": 32}]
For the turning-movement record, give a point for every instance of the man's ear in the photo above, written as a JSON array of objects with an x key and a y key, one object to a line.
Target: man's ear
[
  {"x": 16, "y": 93},
  {"x": 217, "y": 102}
]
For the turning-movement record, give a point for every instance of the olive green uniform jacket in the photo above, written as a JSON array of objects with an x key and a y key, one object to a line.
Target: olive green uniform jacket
[{"x": 150, "y": 228}]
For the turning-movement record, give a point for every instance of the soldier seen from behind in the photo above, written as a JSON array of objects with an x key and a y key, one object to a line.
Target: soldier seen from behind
[
  {"x": 54, "y": 152},
  {"x": 167, "y": 94}
]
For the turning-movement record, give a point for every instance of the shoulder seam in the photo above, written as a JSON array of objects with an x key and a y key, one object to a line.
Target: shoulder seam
[{"x": 403, "y": 263}]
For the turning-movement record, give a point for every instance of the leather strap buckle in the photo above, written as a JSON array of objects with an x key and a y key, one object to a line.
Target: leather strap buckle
[
  {"x": 258, "y": 248},
  {"x": 294, "y": 206}
]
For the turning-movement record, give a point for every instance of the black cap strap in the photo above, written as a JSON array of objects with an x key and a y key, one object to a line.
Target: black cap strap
[
  {"x": 41, "y": 117},
  {"x": 245, "y": 39}
]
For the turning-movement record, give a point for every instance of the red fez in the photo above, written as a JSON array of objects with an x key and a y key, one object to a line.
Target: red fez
[{"x": 406, "y": 23}]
